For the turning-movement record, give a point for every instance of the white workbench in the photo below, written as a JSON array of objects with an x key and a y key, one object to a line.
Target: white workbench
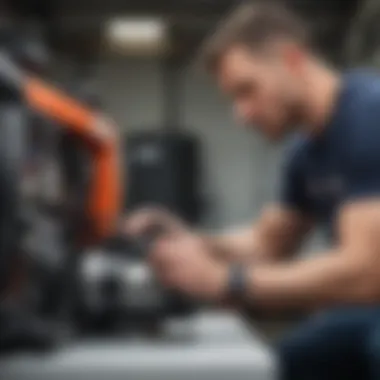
[{"x": 212, "y": 346}]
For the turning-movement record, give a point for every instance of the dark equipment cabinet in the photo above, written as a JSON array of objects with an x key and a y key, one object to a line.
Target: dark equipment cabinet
[{"x": 164, "y": 169}]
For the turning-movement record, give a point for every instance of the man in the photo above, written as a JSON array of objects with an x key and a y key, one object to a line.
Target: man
[{"x": 262, "y": 58}]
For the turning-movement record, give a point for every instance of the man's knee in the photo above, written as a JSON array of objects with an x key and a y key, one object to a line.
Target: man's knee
[
  {"x": 325, "y": 347},
  {"x": 373, "y": 351},
  {"x": 299, "y": 353}
]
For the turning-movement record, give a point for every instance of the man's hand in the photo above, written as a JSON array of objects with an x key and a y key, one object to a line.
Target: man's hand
[
  {"x": 181, "y": 258},
  {"x": 182, "y": 262},
  {"x": 141, "y": 220}
]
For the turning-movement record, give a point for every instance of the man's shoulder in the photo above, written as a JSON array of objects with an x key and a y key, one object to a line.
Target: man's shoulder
[
  {"x": 362, "y": 91},
  {"x": 361, "y": 112},
  {"x": 360, "y": 131},
  {"x": 360, "y": 76}
]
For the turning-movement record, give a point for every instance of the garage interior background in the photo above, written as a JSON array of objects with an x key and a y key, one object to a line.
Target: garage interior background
[{"x": 141, "y": 89}]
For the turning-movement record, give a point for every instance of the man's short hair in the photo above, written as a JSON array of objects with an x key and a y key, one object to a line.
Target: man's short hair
[{"x": 252, "y": 25}]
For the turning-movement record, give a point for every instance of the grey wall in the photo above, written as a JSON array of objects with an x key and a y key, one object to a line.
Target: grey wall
[{"x": 240, "y": 169}]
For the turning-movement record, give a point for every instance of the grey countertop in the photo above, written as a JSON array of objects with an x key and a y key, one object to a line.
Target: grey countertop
[{"x": 211, "y": 346}]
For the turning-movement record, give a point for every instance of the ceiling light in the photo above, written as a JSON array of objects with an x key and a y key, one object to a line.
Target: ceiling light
[{"x": 136, "y": 35}]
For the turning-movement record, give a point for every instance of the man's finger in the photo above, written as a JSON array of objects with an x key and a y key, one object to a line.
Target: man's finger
[
  {"x": 140, "y": 221},
  {"x": 169, "y": 277},
  {"x": 162, "y": 252}
]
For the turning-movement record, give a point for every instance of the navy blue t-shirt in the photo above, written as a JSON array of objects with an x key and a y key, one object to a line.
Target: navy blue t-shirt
[{"x": 342, "y": 164}]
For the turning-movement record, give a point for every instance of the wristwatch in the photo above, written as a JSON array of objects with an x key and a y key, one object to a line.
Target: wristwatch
[{"x": 237, "y": 283}]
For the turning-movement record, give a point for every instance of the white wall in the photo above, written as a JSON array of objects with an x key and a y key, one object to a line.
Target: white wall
[{"x": 240, "y": 169}]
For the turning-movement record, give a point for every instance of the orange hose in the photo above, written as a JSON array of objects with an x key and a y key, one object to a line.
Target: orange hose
[{"x": 105, "y": 195}]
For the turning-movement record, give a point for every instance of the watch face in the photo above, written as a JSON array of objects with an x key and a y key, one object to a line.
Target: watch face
[{"x": 237, "y": 281}]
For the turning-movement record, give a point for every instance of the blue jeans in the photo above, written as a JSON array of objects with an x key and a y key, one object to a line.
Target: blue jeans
[{"x": 342, "y": 344}]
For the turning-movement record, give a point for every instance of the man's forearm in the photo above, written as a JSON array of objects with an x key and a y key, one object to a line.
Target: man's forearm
[
  {"x": 277, "y": 234},
  {"x": 310, "y": 283},
  {"x": 249, "y": 245},
  {"x": 237, "y": 245}
]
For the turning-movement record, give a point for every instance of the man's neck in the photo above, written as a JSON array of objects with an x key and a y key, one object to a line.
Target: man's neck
[{"x": 322, "y": 91}]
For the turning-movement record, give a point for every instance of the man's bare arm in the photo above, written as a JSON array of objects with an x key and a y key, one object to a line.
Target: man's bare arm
[
  {"x": 277, "y": 234},
  {"x": 350, "y": 273}
]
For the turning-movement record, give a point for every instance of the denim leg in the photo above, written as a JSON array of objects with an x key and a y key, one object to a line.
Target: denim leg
[
  {"x": 332, "y": 345},
  {"x": 374, "y": 351}
]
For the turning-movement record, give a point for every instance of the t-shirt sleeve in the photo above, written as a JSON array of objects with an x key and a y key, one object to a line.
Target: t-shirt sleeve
[
  {"x": 363, "y": 185},
  {"x": 363, "y": 172},
  {"x": 363, "y": 163}
]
